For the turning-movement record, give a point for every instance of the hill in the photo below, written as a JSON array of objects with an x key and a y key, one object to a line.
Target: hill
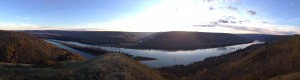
[
  {"x": 279, "y": 60},
  {"x": 175, "y": 40},
  {"x": 189, "y": 40},
  {"x": 263, "y": 37},
  {"x": 16, "y": 47},
  {"x": 109, "y": 38},
  {"x": 268, "y": 61},
  {"x": 111, "y": 66}
]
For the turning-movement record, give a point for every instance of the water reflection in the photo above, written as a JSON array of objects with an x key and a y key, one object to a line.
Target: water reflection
[
  {"x": 169, "y": 58},
  {"x": 83, "y": 54}
]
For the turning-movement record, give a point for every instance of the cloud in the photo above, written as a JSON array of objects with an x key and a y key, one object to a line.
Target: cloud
[
  {"x": 234, "y": 1},
  {"x": 228, "y": 8},
  {"x": 223, "y": 21},
  {"x": 264, "y": 22},
  {"x": 269, "y": 29},
  {"x": 250, "y": 12},
  {"x": 229, "y": 17},
  {"x": 253, "y": 29},
  {"x": 203, "y": 25},
  {"x": 208, "y": 0},
  {"x": 211, "y": 8},
  {"x": 260, "y": 28},
  {"x": 86, "y": 29},
  {"x": 249, "y": 26},
  {"x": 23, "y": 26},
  {"x": 178, "y": 15},
  {"x": 232, "y": 8}
]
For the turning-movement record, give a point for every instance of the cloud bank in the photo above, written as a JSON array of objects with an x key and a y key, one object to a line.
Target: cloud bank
[{"x": 12, "y": 26}]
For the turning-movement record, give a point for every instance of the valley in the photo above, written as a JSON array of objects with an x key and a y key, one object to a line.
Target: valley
[
  {"x": 172, "y": 41},
  {"x": 163, "y": 57},
  {"x": 149, "y": 40},
  {"x": 155, "y": 64}
]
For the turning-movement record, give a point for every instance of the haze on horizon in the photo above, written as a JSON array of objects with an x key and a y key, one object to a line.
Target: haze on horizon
[{"x": 226, "y": 16}]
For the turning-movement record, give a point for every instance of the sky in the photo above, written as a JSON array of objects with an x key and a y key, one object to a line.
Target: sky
[{"x": 222, "y": 16}]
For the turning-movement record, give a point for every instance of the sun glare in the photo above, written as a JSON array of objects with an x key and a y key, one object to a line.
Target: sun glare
[{"x": 175, "y": 15}]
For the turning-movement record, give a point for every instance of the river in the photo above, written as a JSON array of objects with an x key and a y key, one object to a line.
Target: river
[
  {"x": 164, "y": 58},
  {"x": 83, "y": 54}
]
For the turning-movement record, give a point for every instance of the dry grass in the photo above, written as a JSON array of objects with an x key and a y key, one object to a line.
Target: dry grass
[
  {"x": 16, "y": 47},
  {"x": 279, "y": 58},
  {"x": 112, "y": 66},
  {"x": 292, "y": 76}
]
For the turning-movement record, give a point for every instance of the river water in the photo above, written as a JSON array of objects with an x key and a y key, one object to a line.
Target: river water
[
  {"x": 164, "y": 58},
  {"x": 83, "y": 54}
]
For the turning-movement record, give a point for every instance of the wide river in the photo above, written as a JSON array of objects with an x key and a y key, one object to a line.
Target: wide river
[{"x": 164, "y": 58}]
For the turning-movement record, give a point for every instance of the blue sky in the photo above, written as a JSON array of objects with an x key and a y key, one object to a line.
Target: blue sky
[
  {"x": 280, "y": 10},
  {"x": 68, "y": 12},
  {"x": 247, "y": 16}
]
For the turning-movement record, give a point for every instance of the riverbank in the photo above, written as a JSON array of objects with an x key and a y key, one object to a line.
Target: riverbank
[
  {"x": 167, "y": 58},
  {"x": 96, "y": 51}
]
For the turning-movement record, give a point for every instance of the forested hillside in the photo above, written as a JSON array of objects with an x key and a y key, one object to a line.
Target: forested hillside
[
  {"x": 263, "y": 37},
  {"x": 16, "y": 47},
  {"x": 89, "y": 37},
  {"x": 189, "y": 40}
]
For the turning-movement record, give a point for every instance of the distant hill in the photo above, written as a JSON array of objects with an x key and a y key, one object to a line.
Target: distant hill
[
  {"x": 17, "y": 47},
  {"x": 146, "y": 40},
  {"x": 89, "y": 37},
  {"x": 263, "y": 37},
  {"x": 189, "y": 40},
  {"x": 111, "y": 66}
]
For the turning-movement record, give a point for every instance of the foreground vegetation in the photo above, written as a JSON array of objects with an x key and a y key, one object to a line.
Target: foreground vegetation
[
  {"x": 16, "y": 47},
  {"x": 111, "y": 66}
]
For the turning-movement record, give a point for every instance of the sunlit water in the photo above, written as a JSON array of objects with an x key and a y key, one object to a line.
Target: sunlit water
[{"x": 169, "y": 58}]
